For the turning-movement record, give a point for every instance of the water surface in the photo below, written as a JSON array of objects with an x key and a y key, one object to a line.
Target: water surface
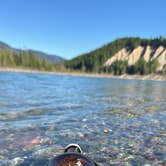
[{"x": 116, "y": 122}]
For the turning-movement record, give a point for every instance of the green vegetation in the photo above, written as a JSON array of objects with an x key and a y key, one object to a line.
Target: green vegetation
[
  {"x": 24, "y": 59},
  {"x": 92, "y": 62},
  {"x": 141, "y": 67},
  {"x": 164, "y": 70},
  {"x": 117, "y": 68}
]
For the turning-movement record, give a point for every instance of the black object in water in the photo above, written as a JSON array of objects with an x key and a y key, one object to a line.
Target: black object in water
[{"x": 72, "y": 156}]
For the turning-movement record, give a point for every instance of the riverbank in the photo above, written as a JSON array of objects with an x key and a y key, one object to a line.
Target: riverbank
[{"x": 154, "y": 77}]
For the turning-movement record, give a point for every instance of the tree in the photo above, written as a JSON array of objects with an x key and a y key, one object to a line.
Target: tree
[
  {"x": 152, "y": 66},
  {"x": 23, "y": 59}
]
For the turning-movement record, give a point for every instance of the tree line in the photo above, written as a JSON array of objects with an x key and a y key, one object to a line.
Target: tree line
[
  {"x": 140, "y": 67},
  {"x": 24, "y": 59}
]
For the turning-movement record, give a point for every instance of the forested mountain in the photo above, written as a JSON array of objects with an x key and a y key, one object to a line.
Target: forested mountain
[
  {"x": 29, "y": 59},
  {"x": 4, "y": 46},
  {"x": 24, "y": 59},
  {"x": 52, "y": 58},
  {"x": 125, "y": 55}
]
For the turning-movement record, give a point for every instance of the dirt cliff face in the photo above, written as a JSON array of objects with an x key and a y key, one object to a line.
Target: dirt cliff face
[
  {"x": 135, "y": 55},
  {"x": 162, "y": 60},
  {"x": 121, "y": 55},
  {"x": 148, "y": 53}
]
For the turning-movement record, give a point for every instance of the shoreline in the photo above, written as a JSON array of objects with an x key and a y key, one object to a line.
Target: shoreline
[{"x": 152, "y": 77}]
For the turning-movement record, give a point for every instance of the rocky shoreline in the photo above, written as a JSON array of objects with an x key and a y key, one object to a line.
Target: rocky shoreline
[{"x": 152, "y": 77}]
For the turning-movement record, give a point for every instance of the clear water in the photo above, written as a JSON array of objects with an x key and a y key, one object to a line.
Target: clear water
[{"x": 116, "y": 122}]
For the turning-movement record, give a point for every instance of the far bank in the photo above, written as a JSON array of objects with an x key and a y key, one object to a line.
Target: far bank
[{"x": 154, "y": 77}]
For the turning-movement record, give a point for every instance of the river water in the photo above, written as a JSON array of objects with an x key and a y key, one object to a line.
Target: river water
[{"x": 115, "y": 121}]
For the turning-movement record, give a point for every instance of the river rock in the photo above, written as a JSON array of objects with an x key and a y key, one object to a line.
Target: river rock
[{"x": 16, "y": 161}]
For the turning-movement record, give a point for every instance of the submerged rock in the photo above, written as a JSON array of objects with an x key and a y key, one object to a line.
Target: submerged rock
[
  {"x": 106, "y": 131},
  {"x": 16, "y": 161}
]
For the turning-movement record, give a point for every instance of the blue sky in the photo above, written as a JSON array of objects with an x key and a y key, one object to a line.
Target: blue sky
[{"x": 72, "y": 27}]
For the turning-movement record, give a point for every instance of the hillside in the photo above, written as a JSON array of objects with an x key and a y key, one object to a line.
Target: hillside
[
  {"x": 52, "y": 58},
  {"x": 125, "y": 55},
  {"x": 26, "y": 59}
]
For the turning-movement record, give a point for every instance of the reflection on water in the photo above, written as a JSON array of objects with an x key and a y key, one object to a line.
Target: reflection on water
[{"x": 117, "y": 122}]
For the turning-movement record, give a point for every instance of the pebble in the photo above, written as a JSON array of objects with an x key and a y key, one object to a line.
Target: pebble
[
  {"x": 35, "y": 141},
  {"x": 2, "y": 157},
  {"x": 16, "y": 161},
  {"x": 106, "y": 131},
  {"x": 84, "y": 120},
  {"x": 149, "y": 156},
  {"x": 81, "y": 135},
  {"x": 47, "y": 152},
  {"x": 46, "y": 141},
  {"x": 129, "y": 157}
]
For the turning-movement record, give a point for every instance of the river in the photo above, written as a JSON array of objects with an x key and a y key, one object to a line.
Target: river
[{"x": 115, "y": 121}]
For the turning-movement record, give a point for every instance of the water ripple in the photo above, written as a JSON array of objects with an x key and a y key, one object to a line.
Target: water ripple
[{"x": 117, "y": 122}]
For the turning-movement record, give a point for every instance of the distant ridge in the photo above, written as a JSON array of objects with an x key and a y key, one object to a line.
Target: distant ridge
[
  {"x": 52, "y": 58},
  {"x": 4, "y": 46}
]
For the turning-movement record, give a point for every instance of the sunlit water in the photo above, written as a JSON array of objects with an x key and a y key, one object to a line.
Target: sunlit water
[{"x": 116, "y": 122}]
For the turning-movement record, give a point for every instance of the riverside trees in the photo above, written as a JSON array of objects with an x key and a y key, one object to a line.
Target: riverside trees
[{"x": 24, "y": 59}]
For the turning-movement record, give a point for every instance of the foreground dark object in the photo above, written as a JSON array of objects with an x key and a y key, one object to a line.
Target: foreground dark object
[{"x": 72, "y": 157}]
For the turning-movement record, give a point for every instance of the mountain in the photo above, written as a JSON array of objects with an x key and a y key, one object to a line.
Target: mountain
[
  {"x": 125, "y": 55},
  {"x": 51, "y": 58},
  {"x": 4, "y": 46}
]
